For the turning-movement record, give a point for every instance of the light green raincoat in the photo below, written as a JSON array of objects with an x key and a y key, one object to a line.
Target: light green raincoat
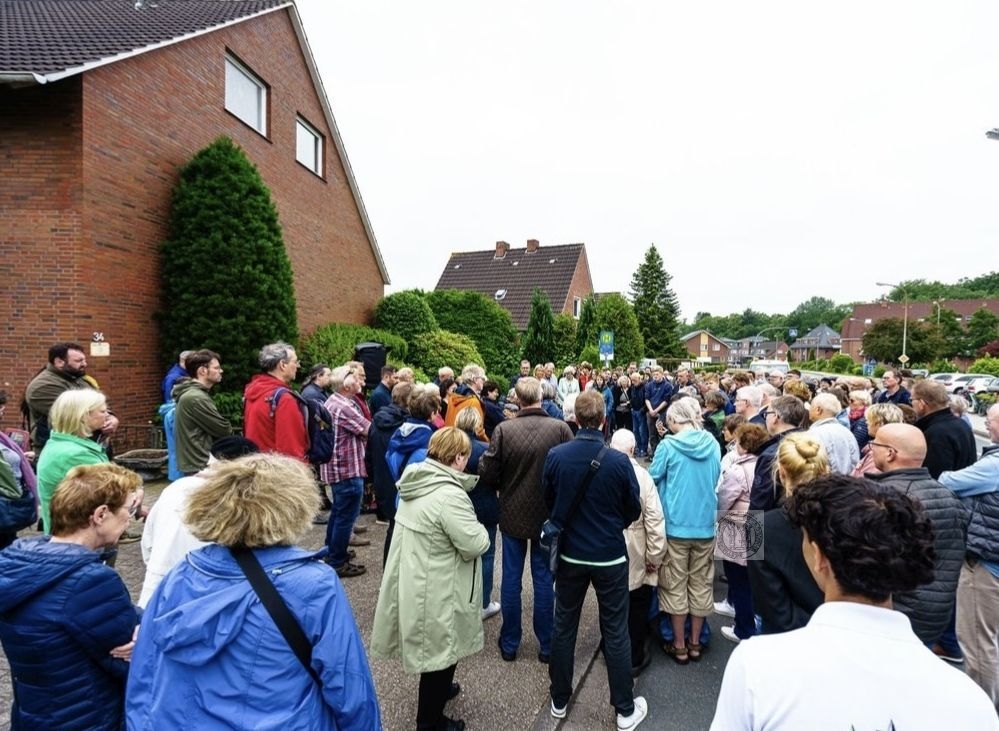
[{"x": 429, "y": 606}]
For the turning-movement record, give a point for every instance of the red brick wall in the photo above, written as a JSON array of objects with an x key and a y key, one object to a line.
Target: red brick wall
[
  {"x": 122, "y": 131},
  {"x": 581, "y": 285}
]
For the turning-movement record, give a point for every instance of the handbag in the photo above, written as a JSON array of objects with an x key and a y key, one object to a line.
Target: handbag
[
  {"x": 551, "y": 533},
  {"x": 18, "y": 508},
  {"x": 289, "y": 627}
]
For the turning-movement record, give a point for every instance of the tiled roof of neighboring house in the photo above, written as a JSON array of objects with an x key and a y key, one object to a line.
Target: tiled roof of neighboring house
[
  {"x": 47, "y": 38},
  {"x": 822, "y": 337},
  {"x": 511, "y": 280},
  {"x": 711, "y": 335}
]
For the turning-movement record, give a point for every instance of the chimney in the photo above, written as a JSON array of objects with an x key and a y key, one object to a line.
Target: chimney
[
  {"x": 501, "y": 248},
  {"x": 533, "y": 245}
]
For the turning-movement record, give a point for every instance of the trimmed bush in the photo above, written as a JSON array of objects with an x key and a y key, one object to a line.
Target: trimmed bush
[
  {"x": 334, "y": 344},
  {"x": 987, "y": 364},
  {"x": 488, "y": 325},
  {"x": 432, "y": 350},
  {"x": 405, "y": 314}
]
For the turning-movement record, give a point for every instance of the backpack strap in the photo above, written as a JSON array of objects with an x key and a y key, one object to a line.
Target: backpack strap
[
  {"x": 274, "y": 397},
  {"x": 286, "y": 623}
]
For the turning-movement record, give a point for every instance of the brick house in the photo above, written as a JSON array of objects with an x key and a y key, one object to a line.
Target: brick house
[
  {"x": 509, "y": 276},
  {"x": 755, "y": 347},
  {"x": 703, "y": 347},
  {"x": 100, "y": 102},
  {"x": 865, "y": 315},
  {"x": 821, "y": 342}
]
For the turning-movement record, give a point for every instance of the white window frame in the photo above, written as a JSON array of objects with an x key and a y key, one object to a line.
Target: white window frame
[
  {"x": 238, "y": 81},
  {"x": 318, "y": 145},
  {"x": 576, "y": 307}
]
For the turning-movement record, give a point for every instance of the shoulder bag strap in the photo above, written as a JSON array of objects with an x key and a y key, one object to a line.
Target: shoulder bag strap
[
  {"x": 290, "y": 629},
  {"x": 578, "y": 498}
]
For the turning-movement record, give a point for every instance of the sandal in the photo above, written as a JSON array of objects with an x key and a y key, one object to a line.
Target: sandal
[
  {"x": 695, "y": 651},
  {"x": 679, "y": 654}
]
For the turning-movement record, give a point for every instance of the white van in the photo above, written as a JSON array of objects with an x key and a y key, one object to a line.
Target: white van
[{"x": 766, "y": 366}]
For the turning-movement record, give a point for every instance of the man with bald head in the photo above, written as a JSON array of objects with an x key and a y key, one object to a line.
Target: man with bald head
[{"x": 899, "y": 451}]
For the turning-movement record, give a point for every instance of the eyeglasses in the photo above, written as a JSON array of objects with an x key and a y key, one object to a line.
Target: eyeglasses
[{"x": 881, "y": 444}]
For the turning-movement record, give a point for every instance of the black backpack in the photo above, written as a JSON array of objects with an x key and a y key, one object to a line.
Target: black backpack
[{"x": 318, "y": 423}]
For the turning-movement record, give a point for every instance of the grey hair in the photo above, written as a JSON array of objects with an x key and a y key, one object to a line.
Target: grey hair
[
  {"x": 685, "y": 410},
  {"x": 271, "y": 355},
  {"x": 623, "y": 440},
  {"x": 547, "y": 389},
  {"x": 827, "y": 402},
  {"x": 529, "y": 390},
  {"x": 752, "y": 394},
  {"x": 471, "y": 371},
  {"x": 337, "y": 376}
]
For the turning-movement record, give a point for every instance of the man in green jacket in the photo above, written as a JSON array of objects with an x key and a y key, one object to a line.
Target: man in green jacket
[{"x": 197, "y": 421}]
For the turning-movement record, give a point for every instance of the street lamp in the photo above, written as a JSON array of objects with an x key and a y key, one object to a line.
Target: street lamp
[
  {"x": 936, "y": 303},
  {"x": 903, "y": 359}
]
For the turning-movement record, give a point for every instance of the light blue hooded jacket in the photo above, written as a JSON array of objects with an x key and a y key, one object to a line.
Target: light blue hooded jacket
[{"x": 686, "y": 469}]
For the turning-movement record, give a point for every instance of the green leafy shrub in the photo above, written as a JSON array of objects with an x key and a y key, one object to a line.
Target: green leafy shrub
[
  {"x": 334, "y": 344},
  {"x": 942, "y": 366},
  {"x": 230, "y": 405},
  {"x": 488, "y": 325},
  {"x": 988, "y": 364},
  {"x": 841, "y": 363},
  {"x": 565, "y": 340},
  {"x": 615, "y": 313},
  {"x": 591, "y": 354},
  {"x": 432, "y": 350},
  {"x": 405, "y": 314},
  {"x": 226, "y": 278},
  {"x": 538, "y": 343}
]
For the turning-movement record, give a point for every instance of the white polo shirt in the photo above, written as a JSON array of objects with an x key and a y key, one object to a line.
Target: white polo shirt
[{"x": 853, "y": 666}]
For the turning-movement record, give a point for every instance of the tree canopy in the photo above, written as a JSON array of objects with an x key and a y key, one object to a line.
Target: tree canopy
[
  {"x": 656, "y": 306},
  {"x": 226, "y": 278},
  {"x": 488, "y": 325},
  {"x": 538, "y": 343},
  {"x": 615, "y": 313}
]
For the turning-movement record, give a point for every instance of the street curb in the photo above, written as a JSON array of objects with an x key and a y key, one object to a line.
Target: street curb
[{"x": 544, "y": 721}]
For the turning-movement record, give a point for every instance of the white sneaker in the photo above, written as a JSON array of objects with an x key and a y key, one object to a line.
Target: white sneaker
[
  {"x": 729, "y": 634},
  {"x": 558, "y": 712},
  {"x": 624, "y": 723},
  {"x": 491, "y": 611},
  {"x": 724, "y": 608}
]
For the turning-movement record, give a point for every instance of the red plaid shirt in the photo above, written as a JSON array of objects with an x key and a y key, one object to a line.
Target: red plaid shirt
[{"x": 350, "y": 430}]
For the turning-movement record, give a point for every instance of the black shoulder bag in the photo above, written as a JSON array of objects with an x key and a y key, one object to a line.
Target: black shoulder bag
[
  {"x": 551, "y": 533},
  {"x": 289, "y": 627}
]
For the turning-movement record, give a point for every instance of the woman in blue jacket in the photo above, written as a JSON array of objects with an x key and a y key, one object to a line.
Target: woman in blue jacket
[
  {"x": 66, "y": 620},
  {"x": 685, "y": 468},
  {"x": 209, "y": 656}
]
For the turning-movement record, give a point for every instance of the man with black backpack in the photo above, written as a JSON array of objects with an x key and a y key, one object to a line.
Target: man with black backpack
[
  {"x": 275, "y": 424},
  {"x": 345, "y": 471}
]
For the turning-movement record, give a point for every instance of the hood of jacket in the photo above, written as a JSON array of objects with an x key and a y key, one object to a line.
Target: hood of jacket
[
  {"x": 411, "y": 435},
  {"x": 32, "y": 565},
  {"x": 261, "y": 386},
  {"x": 696, "y": 444},
  {"x": 389, "y": 417},
  {"x": 183, "y": 386},
  {"x": 203, "y": 620},
  {"x": 424, "y": 477}
]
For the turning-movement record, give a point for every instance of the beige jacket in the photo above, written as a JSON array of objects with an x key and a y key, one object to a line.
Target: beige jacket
[{"x": 646, "y": 537}]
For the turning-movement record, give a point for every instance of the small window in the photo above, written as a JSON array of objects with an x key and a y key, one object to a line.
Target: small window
[
  {"x": 576, "y": 303},
  {"x": 245, "y": 95},
  {"x": 717, "y": 346},
  {"x": 309, "y": 146}
]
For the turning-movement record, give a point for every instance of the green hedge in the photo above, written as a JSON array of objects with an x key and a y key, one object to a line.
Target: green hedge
[
  {"x": 432, "y": 350},
  {"x": 334, "y": 344}
]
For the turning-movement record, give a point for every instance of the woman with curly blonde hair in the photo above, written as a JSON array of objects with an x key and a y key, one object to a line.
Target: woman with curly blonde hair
[{"x": 784, "y": 592}]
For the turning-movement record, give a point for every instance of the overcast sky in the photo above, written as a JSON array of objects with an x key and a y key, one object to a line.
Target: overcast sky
[{"x": 772, "y": 151}]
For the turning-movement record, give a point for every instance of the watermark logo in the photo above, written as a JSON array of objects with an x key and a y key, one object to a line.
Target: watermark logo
[{"x": 740, "y": 535}]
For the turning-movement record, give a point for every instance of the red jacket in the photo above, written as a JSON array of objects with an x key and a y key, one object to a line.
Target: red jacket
[{"x": 284, "y": 432}]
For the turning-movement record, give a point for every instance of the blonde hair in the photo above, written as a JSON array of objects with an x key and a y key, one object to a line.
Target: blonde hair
[
  {"x": 84, "y": 489},
  {"x": 468, "y": 420},
  {"x": 447, "y": 444},
  {"x": 72, "y": 407},
  {"x": 862, "y": 396},
  {"x": 254, "y": 501},
  {"x": 802, "y": 459},
  {"x": 881, "y": 414}
]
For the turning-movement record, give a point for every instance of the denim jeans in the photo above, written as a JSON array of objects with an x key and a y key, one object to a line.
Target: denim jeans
[
  {"x": 641, "y": 430},
  {"x": 611, "y": 585},
  {"x": 488, "y": 562},
  {"x": 740, "y": 597},
  {"x": 514, "y": 555},
  {"x": 346, "y": 507}
]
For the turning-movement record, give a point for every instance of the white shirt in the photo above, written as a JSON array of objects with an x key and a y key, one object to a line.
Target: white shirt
[
  {"x": 853, "y": 666},
  {"x": 165, "y": 539},
  {"x": 839, "y": 442}
]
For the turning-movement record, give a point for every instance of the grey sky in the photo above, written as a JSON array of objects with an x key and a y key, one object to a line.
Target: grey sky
[{"x": 752, "y": 142}]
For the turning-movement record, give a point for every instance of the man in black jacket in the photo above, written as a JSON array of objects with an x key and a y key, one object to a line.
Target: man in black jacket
[
  {"x": 950, "y": 443},
  {"x": 785, "y": 415},
  {"x": 592, "y": 550},
  {"x": 899, "y": 451}
]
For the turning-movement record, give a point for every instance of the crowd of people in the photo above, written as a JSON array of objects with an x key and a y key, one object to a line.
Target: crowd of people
[{"x": 856, "y": 530}]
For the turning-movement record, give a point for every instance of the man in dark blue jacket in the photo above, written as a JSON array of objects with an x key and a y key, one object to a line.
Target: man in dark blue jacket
[{"x": 592, "y": 550}]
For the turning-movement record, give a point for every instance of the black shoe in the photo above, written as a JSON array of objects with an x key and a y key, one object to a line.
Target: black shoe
[
  {"x": 453, "y": 724},
  {"x": 349, "y": 569},
  {"x": 321, "y": 520},
  {"x": 507, "y": 656},
  {"x": 455, "y": 690},
  {"x": 640, "y": 668},
  {"x": 544, "y": 657}
]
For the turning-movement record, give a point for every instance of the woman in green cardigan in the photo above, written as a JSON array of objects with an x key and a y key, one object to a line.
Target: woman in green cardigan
[{"x": 74, "y": 418}]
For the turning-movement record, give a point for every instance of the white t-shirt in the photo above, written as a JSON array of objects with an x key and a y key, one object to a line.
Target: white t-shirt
[
  {"x": 165, "y": 539},
  {"x": 853, "y": 666}
]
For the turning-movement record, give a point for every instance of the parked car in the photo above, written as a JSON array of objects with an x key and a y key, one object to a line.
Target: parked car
[
  {"x": 961, "y": 383},
  {"x": 945, "y": 378},
  {"x": 981, "y": 385}
]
